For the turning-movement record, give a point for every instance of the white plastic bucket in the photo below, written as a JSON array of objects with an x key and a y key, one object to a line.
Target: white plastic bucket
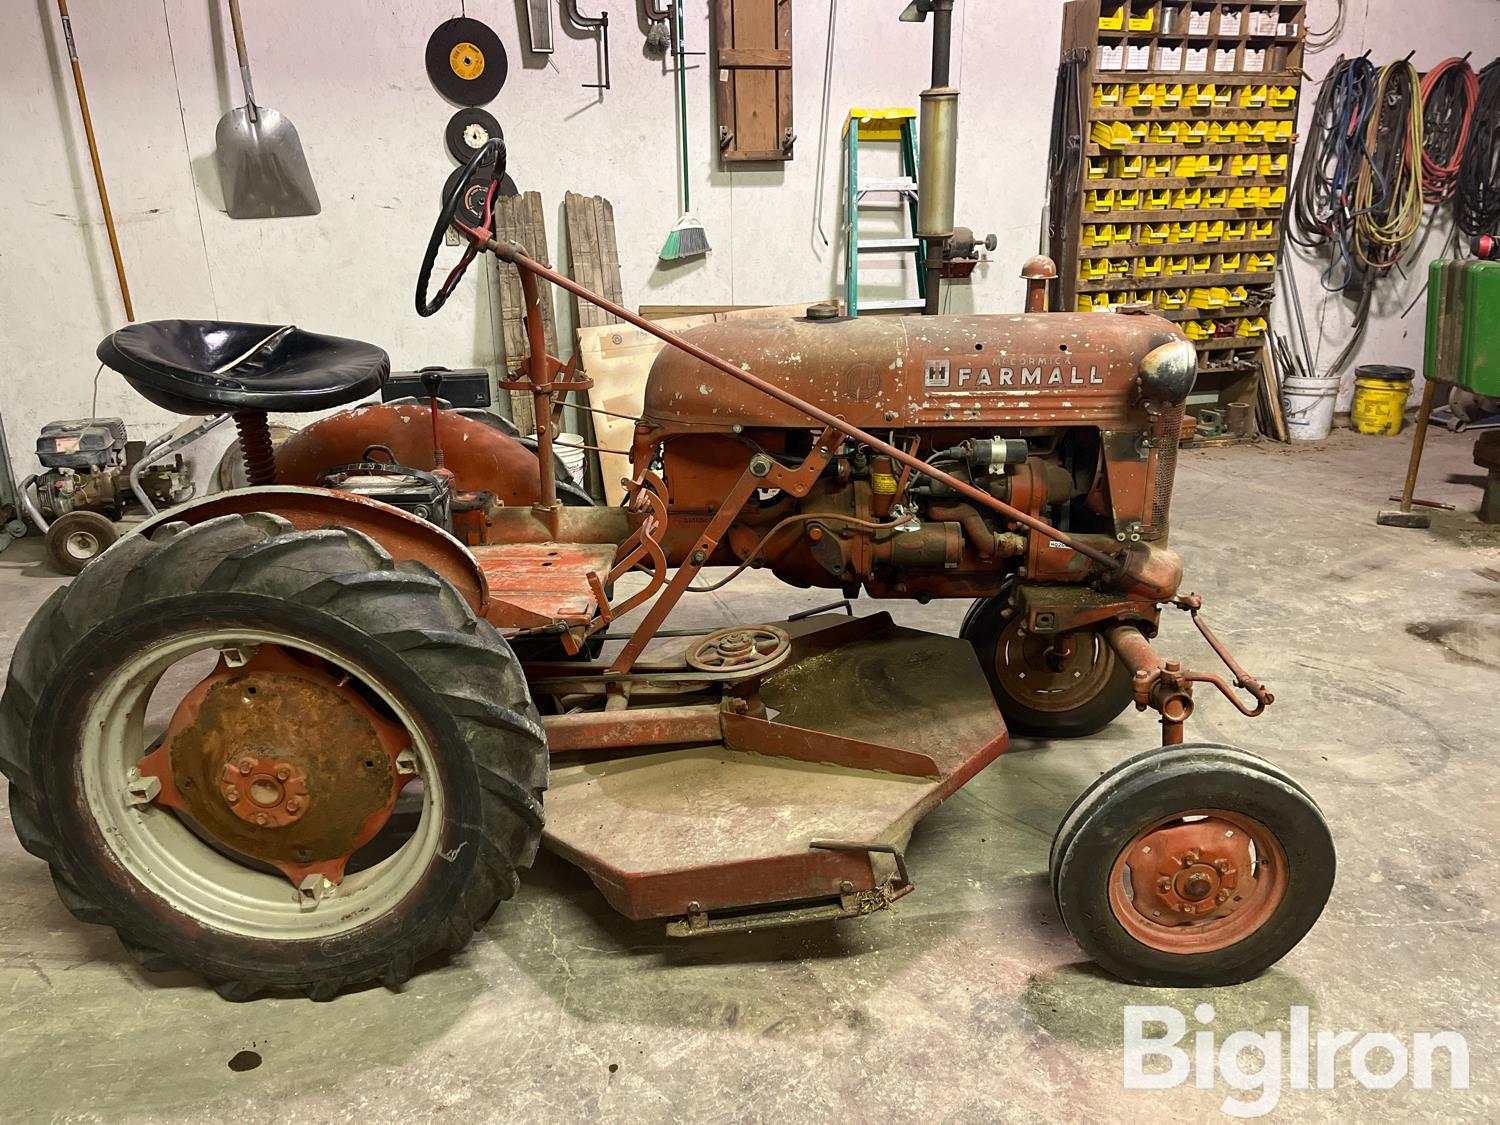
[
  {"x": 1309, "y": 406},
  {"x": 566, "y": 446}
]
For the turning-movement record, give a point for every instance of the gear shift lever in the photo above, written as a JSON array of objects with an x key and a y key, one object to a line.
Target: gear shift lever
[{"x": 432, "y": 381}]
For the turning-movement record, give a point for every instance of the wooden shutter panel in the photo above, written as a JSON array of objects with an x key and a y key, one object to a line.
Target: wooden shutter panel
[{"x": 753, "y": 79}]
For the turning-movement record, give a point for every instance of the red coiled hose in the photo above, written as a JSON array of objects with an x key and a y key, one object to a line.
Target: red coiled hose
[{"x": 1450, "y": 92}]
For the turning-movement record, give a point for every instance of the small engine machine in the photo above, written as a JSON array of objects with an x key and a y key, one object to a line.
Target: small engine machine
[{"x": 85, "y": 486}]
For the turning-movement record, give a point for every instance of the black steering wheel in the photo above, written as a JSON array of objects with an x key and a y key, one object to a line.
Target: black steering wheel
[{"x": 461, "y": 192}]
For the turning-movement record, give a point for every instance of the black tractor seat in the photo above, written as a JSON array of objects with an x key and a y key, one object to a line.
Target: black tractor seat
[{"x": 210, "y": 366}]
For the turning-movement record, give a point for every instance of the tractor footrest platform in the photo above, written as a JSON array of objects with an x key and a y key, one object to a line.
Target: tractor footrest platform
[
  {"x": 548, "y": 581},
  {"x": 872, "y": 726}
]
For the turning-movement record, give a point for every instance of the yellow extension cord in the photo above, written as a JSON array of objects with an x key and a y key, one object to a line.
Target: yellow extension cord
[{"x": 1380, "y": 243}]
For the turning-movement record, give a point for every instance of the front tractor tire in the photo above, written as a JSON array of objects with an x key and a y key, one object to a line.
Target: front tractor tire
[
  {"x": 1194, "y": 865},
  {"x": 252, "y": 840},
  {"x": 1042, "y": 691}
]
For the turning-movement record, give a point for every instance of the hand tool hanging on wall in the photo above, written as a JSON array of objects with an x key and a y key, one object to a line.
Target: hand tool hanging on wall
[
  {"x": 599, "y": 23},
  {"x": 466, "y": 61},
  {"x": 262, "y": 169},
  {"x": 658, "y": 25},
  {"x": 539, "y": 26},
  {"x": 688, "y": 238},
  {"x": 88, "y": 132}
]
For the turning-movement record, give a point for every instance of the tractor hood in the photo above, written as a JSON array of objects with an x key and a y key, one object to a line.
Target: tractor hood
[{"x": 893, "y": 372}]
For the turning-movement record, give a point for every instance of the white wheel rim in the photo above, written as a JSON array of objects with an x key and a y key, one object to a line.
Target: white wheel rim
[
  {"x": 82, "y": 545},
  {"x": 163, "y": 855}
]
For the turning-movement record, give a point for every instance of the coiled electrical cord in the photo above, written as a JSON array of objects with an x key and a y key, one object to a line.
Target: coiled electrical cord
[
  {"x": 1450, "y": 91},
  {"x": 1476, "y": 195},
  {"x": 1320, "y": 211},
  {"x": 1388, "y": 189}
]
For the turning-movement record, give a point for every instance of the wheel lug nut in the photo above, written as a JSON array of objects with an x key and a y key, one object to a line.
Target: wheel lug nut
[
  {"x": 1164, "y": 884},
  {"x": 293, "y": 805},
  {"x": 1224, "y": 896},
  {"x": 261, "y": 818},
  {"x": 1222, "y": 866},
  {"x": 231, "y": 794},
  {"x": 246, "y": 765},
  {"x": 282, "y": 773}
]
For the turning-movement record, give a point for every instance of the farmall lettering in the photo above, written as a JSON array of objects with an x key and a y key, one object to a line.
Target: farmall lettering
[{"x": 942, "y": 375}]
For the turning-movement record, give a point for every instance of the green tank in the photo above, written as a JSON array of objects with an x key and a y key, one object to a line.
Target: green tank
[{"x": 1463, "y": 325}]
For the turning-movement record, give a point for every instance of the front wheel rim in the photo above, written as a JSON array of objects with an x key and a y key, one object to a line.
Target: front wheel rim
[
  {"x": 162, "y": 854},
  {"x": 1198, "y": 881}
]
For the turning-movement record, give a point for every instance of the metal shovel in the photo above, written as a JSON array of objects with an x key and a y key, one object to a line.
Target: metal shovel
[{"x": 261, "y": 167}]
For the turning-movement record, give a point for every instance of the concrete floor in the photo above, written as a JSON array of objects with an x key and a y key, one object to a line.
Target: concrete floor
[{"x": 966, "y": 1002}]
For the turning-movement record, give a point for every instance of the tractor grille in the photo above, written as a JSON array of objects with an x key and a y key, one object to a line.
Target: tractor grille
[{"x": 1166, "y": 431}]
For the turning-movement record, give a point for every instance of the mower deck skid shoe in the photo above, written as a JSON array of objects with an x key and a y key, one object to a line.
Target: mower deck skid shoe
[{"x": 874, "y": 725}]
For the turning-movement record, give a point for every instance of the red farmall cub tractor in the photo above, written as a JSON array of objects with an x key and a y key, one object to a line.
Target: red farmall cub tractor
[{"x": 298, "y": 736}]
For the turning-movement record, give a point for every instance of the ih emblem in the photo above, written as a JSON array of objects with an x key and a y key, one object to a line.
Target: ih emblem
[{"x": 937, "y": 373}]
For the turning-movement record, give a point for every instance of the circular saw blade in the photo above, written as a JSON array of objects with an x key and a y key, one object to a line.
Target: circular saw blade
[
  {"x": 467, "y": 132},
  {"x": 466, "y": 61}
]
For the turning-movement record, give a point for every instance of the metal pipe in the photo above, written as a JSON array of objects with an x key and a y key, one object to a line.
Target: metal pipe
[
  {"x": 942, "y": 41},
  {"x": 29, "y": 506},
  {"x": 513, "y": 253}
]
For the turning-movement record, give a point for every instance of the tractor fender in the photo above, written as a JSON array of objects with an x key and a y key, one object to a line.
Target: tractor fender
[
  {"x": 481, "y": 457},
  {"x": 403, "y": 536}
]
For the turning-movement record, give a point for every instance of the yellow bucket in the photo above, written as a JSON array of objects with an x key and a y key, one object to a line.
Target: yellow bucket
[{"x": 1380, "y": 394}]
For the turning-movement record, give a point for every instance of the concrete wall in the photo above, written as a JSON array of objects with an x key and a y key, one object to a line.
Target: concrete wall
[{"x": 349, "y": 74}]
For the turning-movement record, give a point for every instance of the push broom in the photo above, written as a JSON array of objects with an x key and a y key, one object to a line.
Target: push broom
[{"x": 688, "y": 238}]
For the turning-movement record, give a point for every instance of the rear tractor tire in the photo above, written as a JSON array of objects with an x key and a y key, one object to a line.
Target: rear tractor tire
[
  {"x": 252, "y": 842},
  {"x": 1191, "y": 866},
  {"x": 1041, "y": 690}
]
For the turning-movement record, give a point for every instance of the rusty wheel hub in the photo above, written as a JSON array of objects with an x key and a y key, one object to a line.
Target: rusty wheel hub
[
  {"x": 283, "y": 761},
  {"x": 1198, "y": 882},
  {"x": 268, "y": 792},
  {"x": 1052, "y": 672}
]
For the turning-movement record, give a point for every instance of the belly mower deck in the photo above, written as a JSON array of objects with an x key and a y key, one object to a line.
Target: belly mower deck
[{"x": 799, "y": 792}]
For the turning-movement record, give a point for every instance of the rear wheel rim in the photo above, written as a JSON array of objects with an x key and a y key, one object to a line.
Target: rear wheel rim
[
  {"x": 172, "y": 862},
  {"x": 1028, "y": 674},
  {"x": 1198, "y": 881}
]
